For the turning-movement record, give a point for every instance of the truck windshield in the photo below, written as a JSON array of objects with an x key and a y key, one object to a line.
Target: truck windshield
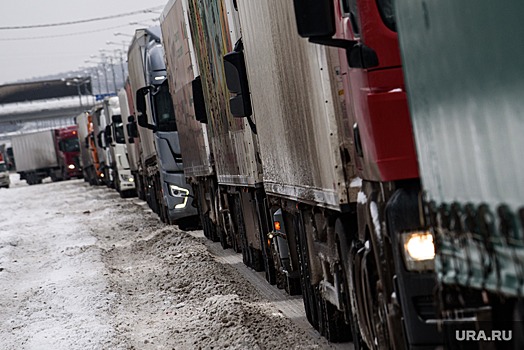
[
  {"x": 3, "y": 167},
  {"x": 119, "y": 133},
  {"x": 387, "y": 13},
  {"x": 71, "y": 145},
  {"x": 165, "y": 115}
]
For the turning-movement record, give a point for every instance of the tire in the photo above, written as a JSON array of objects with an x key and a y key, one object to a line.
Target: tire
[
  {"x": 262, "y": 218},
  {"x": 209, "y": 228},
  {"x": 309, "y": 295},
  {"x": 222, "y": 234}
]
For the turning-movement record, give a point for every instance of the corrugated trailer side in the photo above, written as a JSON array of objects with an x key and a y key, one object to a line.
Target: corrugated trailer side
[{"x": 295, "y": 92}]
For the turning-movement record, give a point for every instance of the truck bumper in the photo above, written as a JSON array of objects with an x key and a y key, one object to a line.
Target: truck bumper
[
  {"x": 126, "y": 180},
  {"x": 178, "y": 196},
  {"x": 74, "y": 173},
  {"x": 4, "y": 181}
]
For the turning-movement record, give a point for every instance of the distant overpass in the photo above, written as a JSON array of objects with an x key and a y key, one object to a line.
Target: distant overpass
[
  {"x": 45, "y": 109},
  {"x": 47, "y": 99},
  {"x": 23, "y": 115}
]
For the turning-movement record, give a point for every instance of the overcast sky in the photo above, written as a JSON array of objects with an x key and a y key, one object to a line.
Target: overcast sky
[{"x": 29, "y": 57}]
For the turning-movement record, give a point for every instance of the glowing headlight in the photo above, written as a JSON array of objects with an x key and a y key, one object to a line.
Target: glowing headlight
[
  {"x": 127, "y": 178},
  {"x": 71, "y": 166},
  {"x": 418, "y": 250},
  {"x": 179, "y": 192}
]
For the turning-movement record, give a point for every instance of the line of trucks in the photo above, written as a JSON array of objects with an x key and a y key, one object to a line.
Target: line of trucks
[{"x": 378, "y": 180}]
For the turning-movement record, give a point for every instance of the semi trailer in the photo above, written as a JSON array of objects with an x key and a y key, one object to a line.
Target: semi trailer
[{"x": 49, "y": 153}]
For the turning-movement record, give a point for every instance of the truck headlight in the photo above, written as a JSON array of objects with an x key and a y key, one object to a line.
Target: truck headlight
[
  {"x": 127, "y": 178},
  {"x": 71, "y": 166},
  {"x": 179, "y": 192},
  {"x": 418, "y": 250}
]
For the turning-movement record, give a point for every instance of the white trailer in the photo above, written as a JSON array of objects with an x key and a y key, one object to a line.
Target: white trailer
[{"x": 35, "y": 155}]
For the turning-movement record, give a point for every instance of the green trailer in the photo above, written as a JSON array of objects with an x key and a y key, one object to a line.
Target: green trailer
[{"x": 464, "y": 73}]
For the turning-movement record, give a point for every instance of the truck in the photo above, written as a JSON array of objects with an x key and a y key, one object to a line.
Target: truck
[
  {"x": 190, "y": 113},
  {"x": 465, "y": 106},
  {"x": 131, "y": 135},
  {"x": 390, "y": 286},
  {"x": 68, "y": 150},
  {"x": 49, "y": 153},
  {"x": 95, "y": 170},
  {"x": 225, "y": 172},
  {"x": 124, "y": 181},
  {"x": 81, "y": 122},
  {"x": 4, "y": 171},
  {"x": 99, "y": 123},
  {"x": 161, "y": 169}
]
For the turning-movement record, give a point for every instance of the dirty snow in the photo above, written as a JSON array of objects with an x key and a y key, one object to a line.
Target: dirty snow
[{"x": 81, "y": 268}]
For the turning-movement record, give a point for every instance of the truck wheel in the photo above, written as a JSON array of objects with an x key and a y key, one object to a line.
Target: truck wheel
[
  {"x": 239, "y": 229},
  {"x": 165, "y": 212},
  {"x": 264, "y": 225},
  {"x": 234, "y": 235},
  {"x": 518, "y": 326},
  {"x": 209, "y": 228},
  {"x": 372, "y": 299},
  {"x": 344, "y": 234},
  {"x": 309, "y": 295},
  {"x": 221, "y": 227}
]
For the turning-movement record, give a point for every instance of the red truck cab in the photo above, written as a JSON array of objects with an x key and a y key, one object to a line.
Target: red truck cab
[
  {"x": 68, "y": 151},
  {"x": 375, "y": 85}
]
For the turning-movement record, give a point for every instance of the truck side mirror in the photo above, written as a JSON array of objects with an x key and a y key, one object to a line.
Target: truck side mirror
[
  {"x": 315, "y": 18},
  {"x": 117, "y": 118},
  {"x": 141, "y": 108},
  {"x": 107, "y": 135},
  {"x": 132, "y": 130},
  {"x": 99, "y": 138},
  {"x": 141, "y": 100},
  {"x": 142, "y": 121},
  {"x": 199, "y": 102},
  {"x": 237, "y": 84}
]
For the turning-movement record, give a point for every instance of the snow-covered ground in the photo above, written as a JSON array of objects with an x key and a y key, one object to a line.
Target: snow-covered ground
[{"x": 81, "y": 268}]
